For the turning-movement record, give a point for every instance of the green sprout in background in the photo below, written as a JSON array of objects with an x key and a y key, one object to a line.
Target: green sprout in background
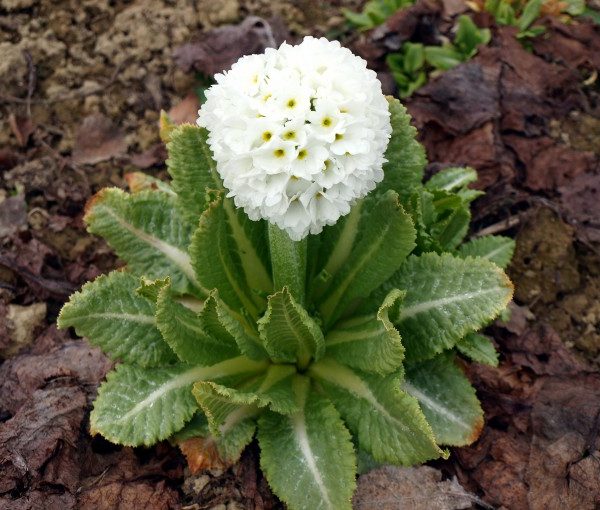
[{"x": 414, "y": 63}]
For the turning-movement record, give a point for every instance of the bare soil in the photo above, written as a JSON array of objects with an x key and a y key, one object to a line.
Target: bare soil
[{"x": 81, "y": 88}]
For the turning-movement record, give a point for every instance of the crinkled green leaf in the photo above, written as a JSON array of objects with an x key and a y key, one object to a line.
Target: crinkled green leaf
[
  {"x": 192, "y": 169},
  {"x": 251, "y": 244},
  {"x": 138, "y": 406},
  {"x": 403, "y": 171},
  {"x": 498, "y": 249},
  {"x": 370, "y": 342},
  {"x": 182, "y": 329},
  {"x": 110, "y": 313},
  {"x": 271, "y": 388},
  {"x": 335, "y": 245},
  {"x": 479, "y": 348},
  {"x": 146, "y": 231},
  {"x": 387, "y": 422},
  {"x": 387, "y": 236},
  {"x": 308, "y": 457},
  {"x": 446, "y": 398},
  {"x": 150, "y": 289},
  {"x": 216, "y": 261},
  {"x": 227, "y": 326},
  {"x": 446, "y": 298},
  {"x": 288, "y": 333},
  {"x": 451, "y": 231},
  {"x": 452, "y": 179}
]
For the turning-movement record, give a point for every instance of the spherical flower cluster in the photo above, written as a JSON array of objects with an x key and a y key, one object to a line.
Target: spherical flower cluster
[{"x": 298, "y": 133}]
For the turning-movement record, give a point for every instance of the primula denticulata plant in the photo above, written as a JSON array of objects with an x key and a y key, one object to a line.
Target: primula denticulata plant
[{"x": 295, "y": 281}]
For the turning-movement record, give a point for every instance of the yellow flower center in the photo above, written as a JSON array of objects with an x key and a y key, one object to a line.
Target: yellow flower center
[
  {"x": 289, "y": 135},
  {"x": 267, "y": 135},
  {"x": 279, "y": 153},
  {"x": 302, "y": 153},
  {"x": 291, "y": 103},
  {"x": 326, "y": 122}
]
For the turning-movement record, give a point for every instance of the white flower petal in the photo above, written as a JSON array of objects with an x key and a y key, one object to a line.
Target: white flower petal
[{"x": 298, "y": 133}]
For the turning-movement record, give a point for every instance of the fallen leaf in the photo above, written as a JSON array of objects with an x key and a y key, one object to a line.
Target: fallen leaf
[
  {"x": 186, "y": 111},
  {"x": 97, "y": 140},
  {"x": 22, "y": 323},
  {"x": 216, "y": 50},
  {"x": 421, "y": 488},
  {"x": 13, "y": 215},
  {"x": 580, "y": 198},
  {"x": 22, "y": 128}
]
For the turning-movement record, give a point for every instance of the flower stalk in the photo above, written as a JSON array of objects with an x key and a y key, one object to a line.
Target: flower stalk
[{"x": 288, "y": 260}]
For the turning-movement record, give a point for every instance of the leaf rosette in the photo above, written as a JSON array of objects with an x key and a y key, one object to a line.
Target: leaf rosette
[{"x": 346, "y": 343}]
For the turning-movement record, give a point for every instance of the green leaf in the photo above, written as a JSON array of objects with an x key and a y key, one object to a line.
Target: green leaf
[
  {"x": 405, "y": 156},
  {"x": 387, "y": 421},
  {"x": 272, "y": 388},
  {"x": 150, "y": 289},
  {"x": 442, "y": 57},
  {"x": 227, "y": 327},
  {"x": 451, "y": 231},
  {"x": 446, "y": 298},
  {"x": 452, "y": 179},
  {"x": 469, "y": 36},
  {"x": 387, "y": 236},
  {"x": 138, "y": 406},
  {"x": 336, "y": 244},
  {"x": 148, "y": 233},
  {"x": 498, "y": 249},
  {"x": 308, "y": 457},
  {"x": 531, "y": 12},
  {"x": 249, "y": 240},
  {"x": 479, "y": 348},
  {"x": 369, "y": 343},
  {"x": 447, "y": 399},
  {"x": 192, "y": 169},
  {"x": 289, "y": 334},
  {"x": 182, "y": 329},
  {"x": 216, "y": 261},
  {"x": 110, "y": 313},
  {"x": 414, "y": 56}
]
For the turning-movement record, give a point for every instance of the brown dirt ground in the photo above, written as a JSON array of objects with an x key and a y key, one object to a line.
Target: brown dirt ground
[{"x": 72, "y": 73}]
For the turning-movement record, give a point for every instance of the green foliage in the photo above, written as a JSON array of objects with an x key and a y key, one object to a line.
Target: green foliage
[
  {"x": 413, "y": 64},
  {"x": 375, "y": 12},
  {"x": 226, "y": 329},
  {"x": 447, "y": 399}
]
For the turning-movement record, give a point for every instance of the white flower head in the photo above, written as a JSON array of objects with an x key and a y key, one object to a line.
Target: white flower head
[{"x": 298, "y": 133}]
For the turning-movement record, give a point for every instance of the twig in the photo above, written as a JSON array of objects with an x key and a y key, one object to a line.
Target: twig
[
  {"x": 31, "y": 80},
  {"x": 501, "y": 226}
]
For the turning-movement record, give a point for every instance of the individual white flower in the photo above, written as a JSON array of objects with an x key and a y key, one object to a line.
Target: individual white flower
[{"x": 298, "y": 133}]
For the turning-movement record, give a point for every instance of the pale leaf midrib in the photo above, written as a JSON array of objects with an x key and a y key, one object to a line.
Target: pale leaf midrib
[
  {"x": 298, "y": 421},
  {"x": 345, "y": 242},
  {"x": 435, "y": 406},
  {"x": 232, "y": 366},
  {"x": 140, "y": 318},
  {"x": 341, "y": 337},
  {"x": 330, "y": 304},
  {"x": 304, "y": 350},
  {"x": 244, "y": 300},
  {"x": 256, "y": 274},
  {"x": 355, "y": 385},
  {"x": 177, "y": 256},
  {"x": 425, "y": 306},
  {"x": 457, "y": 182}
]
